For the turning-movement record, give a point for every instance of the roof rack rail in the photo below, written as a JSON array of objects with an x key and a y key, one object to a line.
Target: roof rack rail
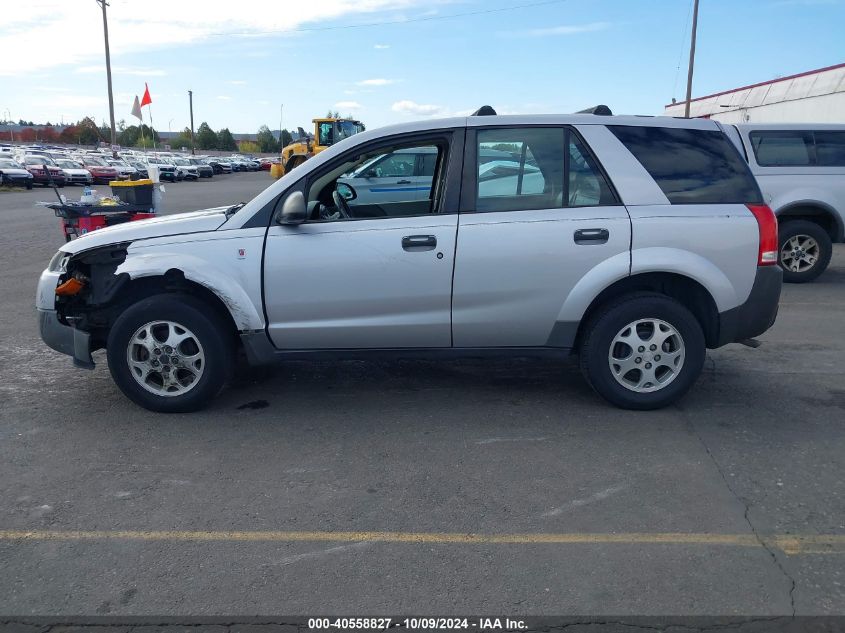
[
  {"x": 484, "y": 110},
  {"x": 601, "y": 110}
]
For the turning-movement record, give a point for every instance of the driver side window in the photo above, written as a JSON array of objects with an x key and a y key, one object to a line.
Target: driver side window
[{"x": 389, "y": 182}]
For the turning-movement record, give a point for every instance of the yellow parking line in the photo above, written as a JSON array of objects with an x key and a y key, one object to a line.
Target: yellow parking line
[{"x": 789, "y": 544}]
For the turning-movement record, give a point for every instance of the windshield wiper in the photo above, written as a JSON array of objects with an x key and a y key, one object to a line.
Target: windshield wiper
[{"x": 234, "y": 209}]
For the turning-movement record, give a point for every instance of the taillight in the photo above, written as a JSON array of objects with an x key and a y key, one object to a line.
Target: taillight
[{"x": 767, "y": 223}]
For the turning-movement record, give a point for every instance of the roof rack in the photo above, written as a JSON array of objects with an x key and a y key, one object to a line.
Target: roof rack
[
  {"x": 601, "y": 110},
  {"x": 484, "y": 110}
]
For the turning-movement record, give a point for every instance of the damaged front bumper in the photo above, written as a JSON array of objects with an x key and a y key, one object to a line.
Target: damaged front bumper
[
  {"x": 65, "y": 339},
  {"x": 59, "y": 336}
]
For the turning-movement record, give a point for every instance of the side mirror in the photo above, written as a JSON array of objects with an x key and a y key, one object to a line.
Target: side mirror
[
  {"x": 346, "y": 192},
  {"x": 294, "y": 210}
]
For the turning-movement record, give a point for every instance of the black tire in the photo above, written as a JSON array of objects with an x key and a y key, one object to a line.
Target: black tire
[
  {"x": 599, "y": 336},
  {"x": 209, "y": 329},
  {"x": 796, "y": 228},
  {"x": 29, "y": 185}
]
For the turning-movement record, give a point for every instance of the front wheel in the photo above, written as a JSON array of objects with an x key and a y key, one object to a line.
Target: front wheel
[
  {"x": 804, "y": 250},
  {"x": 643, "y": 351},
  {"x": 170, "y": 353}
]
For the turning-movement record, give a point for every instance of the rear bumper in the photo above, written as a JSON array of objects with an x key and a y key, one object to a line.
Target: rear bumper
[
  {"x": 65, "y": 339},
  {"x": 44, "y": 180},
  {"x": 759, "y": 311}
]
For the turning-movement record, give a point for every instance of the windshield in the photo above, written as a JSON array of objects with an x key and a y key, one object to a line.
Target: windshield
[
  {"x": 345, "y": 129},
  {"x": 39, "y": 160},
  {"x": 68, "y": 164},
  {"x": 94, "y": 160},
  {"x": 7, "y": 164},
  {"x": 181, "y": 161}
]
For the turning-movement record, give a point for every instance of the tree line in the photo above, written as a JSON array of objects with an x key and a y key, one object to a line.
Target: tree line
[{"x": 87, "y": 132}]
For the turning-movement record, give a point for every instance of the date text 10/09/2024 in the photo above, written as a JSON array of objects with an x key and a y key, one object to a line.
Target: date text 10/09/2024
[{"x": 433, "y": 623}]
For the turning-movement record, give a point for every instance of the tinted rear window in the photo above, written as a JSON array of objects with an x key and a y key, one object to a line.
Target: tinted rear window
[
  {"x": 691, "y": 166},
  {"x": 830, "y": 148},
  {"x": 782, "y": 148},
  {"x": 798, "y": 148}
]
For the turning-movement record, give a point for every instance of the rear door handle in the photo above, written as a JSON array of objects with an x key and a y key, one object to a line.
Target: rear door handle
[
  {"x": 404, "y": 182},
  {"x": 416, "y": 243},
  {"x": 591, "y": 236}
]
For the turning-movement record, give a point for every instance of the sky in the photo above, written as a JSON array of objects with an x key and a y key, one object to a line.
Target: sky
[{"x": 387, "y": 61}]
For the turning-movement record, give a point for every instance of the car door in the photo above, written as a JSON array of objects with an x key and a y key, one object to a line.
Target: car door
[
  {"x": 380, "y": 279},
  {"x": 537, "y": 215}
]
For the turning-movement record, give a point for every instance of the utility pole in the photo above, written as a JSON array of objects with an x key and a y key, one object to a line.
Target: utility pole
[
  {"x": 104, "y": 4},
  {"x": 281, "y": 137},
  {"x": 191, "y": 106},
  {"x": 691, "y": 58}
]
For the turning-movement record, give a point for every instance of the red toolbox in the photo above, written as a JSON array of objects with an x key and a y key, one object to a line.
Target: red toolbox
[{"x": 77, "y": 220}]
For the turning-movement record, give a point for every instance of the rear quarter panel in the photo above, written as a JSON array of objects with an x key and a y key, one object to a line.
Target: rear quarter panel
[{"x": 715, "y": 245}]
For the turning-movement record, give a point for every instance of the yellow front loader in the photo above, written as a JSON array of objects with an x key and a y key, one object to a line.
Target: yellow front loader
[{"x": 327, "y": 132}]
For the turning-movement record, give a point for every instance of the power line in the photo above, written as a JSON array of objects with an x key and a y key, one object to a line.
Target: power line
[
  {"x": 681, "y": 53},
  {"x": 407, "y": 21}
]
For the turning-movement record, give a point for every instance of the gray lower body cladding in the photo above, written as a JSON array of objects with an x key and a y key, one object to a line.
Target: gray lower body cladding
[
  {"x": 65, "y": 339},
  {"x": 759, "y": 311}
]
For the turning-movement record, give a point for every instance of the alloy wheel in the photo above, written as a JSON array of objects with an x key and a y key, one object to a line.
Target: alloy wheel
[
  {"x": 646, "y": 355},
  {"x": 165, "y": 358},
  {"x": 799, "y": 253}
]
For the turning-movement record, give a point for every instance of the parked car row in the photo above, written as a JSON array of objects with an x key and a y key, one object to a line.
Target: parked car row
[{"x": 27, "y": 166}]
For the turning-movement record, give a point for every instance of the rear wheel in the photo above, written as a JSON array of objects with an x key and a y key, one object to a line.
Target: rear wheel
[
  {"x": 170, "y": 353},
  {"x": 643, "y": 351},
  {"x": 804, "y": 250}
]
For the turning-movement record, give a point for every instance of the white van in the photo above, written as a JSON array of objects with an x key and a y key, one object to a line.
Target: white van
[{"x": 801, "y": 170}]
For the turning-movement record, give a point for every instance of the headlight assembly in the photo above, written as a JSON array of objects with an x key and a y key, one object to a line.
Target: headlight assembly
[{"x": 58, "y": 264}]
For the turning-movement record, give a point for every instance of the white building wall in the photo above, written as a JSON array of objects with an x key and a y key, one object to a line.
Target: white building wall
[{"x": 813, "y": 98}]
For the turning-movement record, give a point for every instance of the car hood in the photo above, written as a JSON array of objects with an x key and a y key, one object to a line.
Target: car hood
[
  {"x": 14, "y": 171},
  {"x": 163, "y": 226}
]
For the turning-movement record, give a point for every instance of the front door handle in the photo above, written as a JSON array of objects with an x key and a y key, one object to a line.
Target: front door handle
[
  {"x": 404, "y": 182},
  {"x": 591, "y": 236},
  {"x": 415, "y": 243}
]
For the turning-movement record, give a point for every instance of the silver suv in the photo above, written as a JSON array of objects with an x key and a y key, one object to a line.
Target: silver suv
[
  {"x": 801, "y": 170},
  {"x": 633, "y": 242}
]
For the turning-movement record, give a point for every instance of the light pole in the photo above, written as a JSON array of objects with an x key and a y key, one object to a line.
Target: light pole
[
  {"x": 691, "y": 58},
  {"x": 191, "y": 106},
  {"x": 9, "y": 121},
  {"x": 281, "y": 137},
  {"x": 104, "y": 4}
]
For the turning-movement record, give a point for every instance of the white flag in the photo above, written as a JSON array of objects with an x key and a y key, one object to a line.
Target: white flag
[{"x": 136, "y": 109}]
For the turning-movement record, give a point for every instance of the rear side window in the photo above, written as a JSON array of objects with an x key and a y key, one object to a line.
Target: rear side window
[
  {"x": 798, "y": 148},
  {"x": 830, "y": 148},
  {"x": 782, "y": 148},
  {"x": 427, "y": 164},
  {"x": 537, "y": 168},
  {"x": 691, "y": 166}
]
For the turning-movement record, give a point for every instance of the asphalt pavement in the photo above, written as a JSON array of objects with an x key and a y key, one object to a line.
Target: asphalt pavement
[{"x": 479, "y": 486}]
